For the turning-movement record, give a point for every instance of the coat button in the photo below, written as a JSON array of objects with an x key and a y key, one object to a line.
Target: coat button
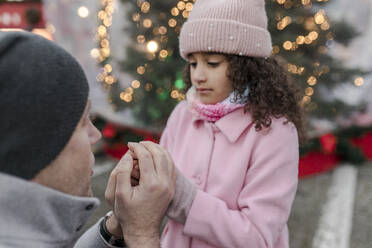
[
  {"x": 198, "y": 179},
  {"x": 79, "y": 228},
  {"x": 89, "y": 207}
]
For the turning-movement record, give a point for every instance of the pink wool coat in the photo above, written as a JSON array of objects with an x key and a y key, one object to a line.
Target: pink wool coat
[{"x": 246, "y": 180}]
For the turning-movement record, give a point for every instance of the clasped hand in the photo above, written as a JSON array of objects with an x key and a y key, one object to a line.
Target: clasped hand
[{"x": 140, "y": 189}]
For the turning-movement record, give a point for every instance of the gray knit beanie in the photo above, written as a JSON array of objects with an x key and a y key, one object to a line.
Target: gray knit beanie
[{"x": 43, "y": 94}]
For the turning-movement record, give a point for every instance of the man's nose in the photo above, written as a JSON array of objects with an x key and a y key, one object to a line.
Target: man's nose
[{"x": 95, "y": 134}]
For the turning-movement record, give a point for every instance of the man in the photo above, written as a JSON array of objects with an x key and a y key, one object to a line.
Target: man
[{"x": 46, "y": 160}]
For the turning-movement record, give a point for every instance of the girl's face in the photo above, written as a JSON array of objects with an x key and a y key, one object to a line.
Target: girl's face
[{"x": 208, "y": 76}]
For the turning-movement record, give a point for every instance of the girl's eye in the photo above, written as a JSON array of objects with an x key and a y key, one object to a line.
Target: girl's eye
[
  {"x": 214, "y": 64},
  {"x": 192, "y": 64}
]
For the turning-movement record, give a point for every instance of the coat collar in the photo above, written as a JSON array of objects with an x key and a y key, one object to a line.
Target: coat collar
[
  {"x": 30, "y": 211},
  {"x": 231, "y": 125}
]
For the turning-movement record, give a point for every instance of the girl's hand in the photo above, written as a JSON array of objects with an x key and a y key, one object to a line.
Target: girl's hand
[{"x": 135, "y": 175}]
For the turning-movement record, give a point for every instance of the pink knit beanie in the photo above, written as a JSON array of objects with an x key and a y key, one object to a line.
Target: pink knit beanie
[{"x": 227, "y": 26}]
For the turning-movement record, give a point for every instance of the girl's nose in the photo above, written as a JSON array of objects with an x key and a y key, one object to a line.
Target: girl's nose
[{"x": 199, "y": 75}]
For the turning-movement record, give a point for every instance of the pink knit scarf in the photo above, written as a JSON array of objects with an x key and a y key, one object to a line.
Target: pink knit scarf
[{"x": 210, "y": 112}]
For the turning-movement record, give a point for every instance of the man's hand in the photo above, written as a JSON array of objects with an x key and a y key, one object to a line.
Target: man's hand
[{"x": 140, "y": 209}]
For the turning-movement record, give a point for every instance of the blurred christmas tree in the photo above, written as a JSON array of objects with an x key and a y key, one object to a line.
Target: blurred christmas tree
[
  {"x": 302, "y": 35},
  {"x": 153, "y": 59}
]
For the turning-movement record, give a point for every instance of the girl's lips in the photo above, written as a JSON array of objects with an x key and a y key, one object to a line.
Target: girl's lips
[{"x": 203, "y": 90}]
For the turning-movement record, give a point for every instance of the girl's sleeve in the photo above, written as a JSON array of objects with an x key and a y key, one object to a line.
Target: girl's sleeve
[
  {"x": 264, "y": 203},
  {"x": 185, "y": 190}
]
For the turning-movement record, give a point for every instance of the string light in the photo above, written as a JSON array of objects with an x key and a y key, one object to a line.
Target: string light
[
  {"x": 108, "y": 68},
  {"x": 314, "y": 25},
  {"x": 295, "y": 69},
  {"x": 308, "y": 41},
  {"x": 109, "y": 80},
  {"x": 313, "y": 35},
  {"x": 181, "y": 5},
  {"x": 172, "y": 22},
  {"x": 359, "y": 81},
  {"x": 152, "y": 46},
  {"x": 181, "y": 97},
  {"x": 105, "y": 43},
  {"x": 102, "y": 31},
  {"x": 162, "y": 30},
  {"x": 319, "y": 17},
  {"x": 145, "y": 7},
  {"x": 102, "y": 14},
  {"x": 309, "y": 91},
  {"x": 175, "y": 11},
  {"x": 300, "y": 40},
  {"x": 147, "y": 23},
  {"x": 105, "y": 52},
  {"x": 189, "y": 6},
  {"x": 94, "y": 53},
  {"x": 185, "y": 14},
  {"x": 126, "y": 97},
  {"x": 83, "y": 12},
  {"x": 136, "y": 84},
  {"x": 306, "y": 2},
  {"x": 325, "y": 26},
  {"x": 163, "y": 54},
  {"x": 174, "y": 94},
  {"x": 141, "y": 70},
  {"x": 312, "y": 81},
  {"x": 136, "y": 17},
  {"x": 306, "y": 99},
  {"x": 284, "y": 23},
  {"x": 129, "y": 90},
  {"x": 287, "y": 45},
  {"x": 102, "y": 52},
  {"x": 276, "y": 49}
]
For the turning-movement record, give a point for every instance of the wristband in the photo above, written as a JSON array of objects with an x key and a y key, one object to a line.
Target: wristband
[{"x": 107, "y": 236}]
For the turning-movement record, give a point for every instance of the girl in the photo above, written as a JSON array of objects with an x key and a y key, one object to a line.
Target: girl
[{"x": 235, "y": 138}]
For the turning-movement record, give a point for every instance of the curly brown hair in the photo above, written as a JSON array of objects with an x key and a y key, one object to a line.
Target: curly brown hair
[{"x": 271, "y": 90}]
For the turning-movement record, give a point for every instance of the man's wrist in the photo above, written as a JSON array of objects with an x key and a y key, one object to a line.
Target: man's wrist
[
  {"x": 109, "y": 237},
  {"x": 133, "y": 241},
  {"x": 113, "y": 226}
]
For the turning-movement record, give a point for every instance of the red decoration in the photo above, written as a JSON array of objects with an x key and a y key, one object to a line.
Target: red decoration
[
  {"x": 150, "y": 137},
  {"x": 315, "y": 163},
  {"x": 116, "y": 150},
  {"x": 12, "y": 15},
  {"x": 364, "y": 143},
  {"x": 328, "y": 143},
  {"x": 109, "y": 131}
]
